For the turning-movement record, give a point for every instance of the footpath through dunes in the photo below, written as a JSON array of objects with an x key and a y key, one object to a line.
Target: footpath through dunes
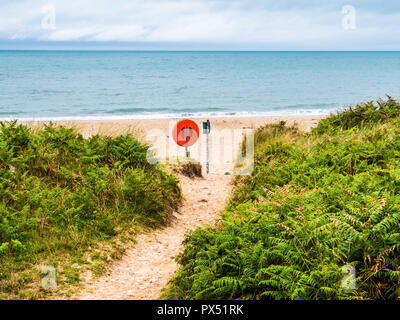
[{"x": 146, "y": 268}]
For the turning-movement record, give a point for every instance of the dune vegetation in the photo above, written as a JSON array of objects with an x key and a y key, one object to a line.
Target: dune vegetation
[
  {"x": 317, "y": 207},
  {"x": 64, "y": 197}
]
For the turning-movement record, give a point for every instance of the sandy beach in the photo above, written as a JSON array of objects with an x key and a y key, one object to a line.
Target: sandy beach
[
  {"x": 146, "y": 268},
  {"x": 199, "y": 151},
  {"x": 116, "y": 127},
  {"x": 224, "y": 140}
]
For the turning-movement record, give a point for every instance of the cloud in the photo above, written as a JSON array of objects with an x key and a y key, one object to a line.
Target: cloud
[{"x": 247, "y": 24}]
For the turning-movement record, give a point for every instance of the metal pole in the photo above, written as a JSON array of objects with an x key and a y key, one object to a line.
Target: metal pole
[
  {"x": 187, "y": 142},
  {"x": 208, "y": 155}
]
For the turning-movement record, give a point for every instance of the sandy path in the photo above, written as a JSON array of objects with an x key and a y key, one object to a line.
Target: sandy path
[{"x": 146, "y": 268}]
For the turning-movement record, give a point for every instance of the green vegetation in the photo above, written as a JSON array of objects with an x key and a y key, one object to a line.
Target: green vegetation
[
  {"x": 189, "y": 169},
  {"x": 61, "y": 195},
  {"x": 314, "y": 204},
  {"x": 364, "y": 114}
]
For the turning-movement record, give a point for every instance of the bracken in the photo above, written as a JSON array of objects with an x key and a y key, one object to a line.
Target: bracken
[{"x": 342, "y": 208}]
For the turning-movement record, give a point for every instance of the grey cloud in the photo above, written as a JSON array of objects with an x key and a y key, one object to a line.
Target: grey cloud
[{"x": 247, "y": 24}]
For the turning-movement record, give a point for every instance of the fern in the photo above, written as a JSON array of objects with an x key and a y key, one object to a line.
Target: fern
[{"x": 314, "y": 203}]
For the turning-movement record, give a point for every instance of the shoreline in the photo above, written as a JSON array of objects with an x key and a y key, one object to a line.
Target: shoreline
[{"x": 174, "y": 116}]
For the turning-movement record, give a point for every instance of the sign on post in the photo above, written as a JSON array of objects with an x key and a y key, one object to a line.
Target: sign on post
[{"x": 206, "y": 127}]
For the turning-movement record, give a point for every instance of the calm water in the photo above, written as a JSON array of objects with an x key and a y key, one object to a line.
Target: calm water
[{"x": 129, "y": 85}]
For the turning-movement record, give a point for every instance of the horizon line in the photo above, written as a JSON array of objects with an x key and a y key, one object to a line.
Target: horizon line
[{"x": 188, "y": 50}]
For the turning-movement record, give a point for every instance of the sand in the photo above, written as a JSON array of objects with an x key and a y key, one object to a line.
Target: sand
[
  {"x": 224, "y": 140},
  {"x": 148, "y": 266},
  {"x": 115, "y": 127}
]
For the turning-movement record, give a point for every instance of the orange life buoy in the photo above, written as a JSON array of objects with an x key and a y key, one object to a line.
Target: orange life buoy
[{"x": 185, "y": 130}]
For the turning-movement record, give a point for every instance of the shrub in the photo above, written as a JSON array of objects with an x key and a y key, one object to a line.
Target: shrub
[
  {"x": 190, "y": 169},
  {"x": 314, "y": 204},
  {"x": 363, "y": 114},
  {"x": 60, "y": 193}
]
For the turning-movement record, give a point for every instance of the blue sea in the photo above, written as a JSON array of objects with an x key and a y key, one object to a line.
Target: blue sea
[{"x": 60, "y": 85}]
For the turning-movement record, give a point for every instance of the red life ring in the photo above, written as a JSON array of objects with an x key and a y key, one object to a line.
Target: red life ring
[{"x": 185, "y": 129}]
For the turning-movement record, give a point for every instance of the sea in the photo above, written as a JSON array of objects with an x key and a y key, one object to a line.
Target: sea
[{"x": 112, "y": 85}]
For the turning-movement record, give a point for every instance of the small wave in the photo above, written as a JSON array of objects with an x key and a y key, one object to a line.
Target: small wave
[
  {"x": 305, "y": 106},
  {"x": 160, "y": 115},
  {"x": 195, "y": 110},
  {"x": 134, "y": 110},
  {"x": 5, "y": 113}
]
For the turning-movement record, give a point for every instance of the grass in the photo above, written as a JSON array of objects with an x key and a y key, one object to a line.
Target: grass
[
  {"x": 72, "y": 203},
  {"x": 315, "y": 204}
]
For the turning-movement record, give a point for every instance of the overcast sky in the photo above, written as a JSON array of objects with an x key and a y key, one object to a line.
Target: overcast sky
[{"x": 200, "y": 24}]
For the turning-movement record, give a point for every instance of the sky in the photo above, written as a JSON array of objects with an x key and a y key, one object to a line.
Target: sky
[{"x": 200, "y": 24}]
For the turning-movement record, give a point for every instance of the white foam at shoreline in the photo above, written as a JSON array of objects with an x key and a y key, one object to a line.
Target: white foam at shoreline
[{"x": 160, "y": 116}]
